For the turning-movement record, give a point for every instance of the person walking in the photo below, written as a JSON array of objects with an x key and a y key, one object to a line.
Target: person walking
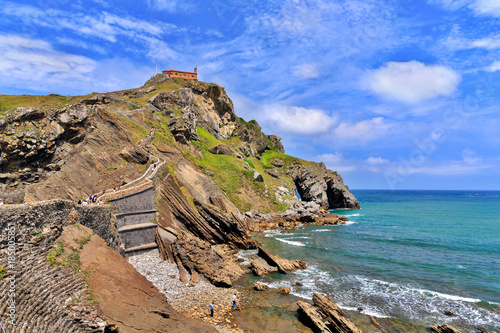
[
  {"x": 212, "y": 309},
  {"x": 234, "y": 302}
]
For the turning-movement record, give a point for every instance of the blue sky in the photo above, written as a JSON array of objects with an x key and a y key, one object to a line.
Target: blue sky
[{"x": 392, "y": 94}]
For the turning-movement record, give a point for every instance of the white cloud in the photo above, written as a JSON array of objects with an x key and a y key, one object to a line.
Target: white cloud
[
  {"x": 27, "y": 63},
  {"x": 489, "y": 43},
  {"x": 376, "y": 160},
  {"x": 362, "y": 131},
  {"x": 22, "y": 57},
  {"x": 480, "y": 7},
  {"x": 486, "y": 7},
  {"x": 336, "y": 162},
  {"x": 297, "y": 120},
  {"x": 494, "y": 67},
  {"x": 169, "y": 5},
  {"x": 412, "y": 82},
  {"x": 306, "y": 71}
]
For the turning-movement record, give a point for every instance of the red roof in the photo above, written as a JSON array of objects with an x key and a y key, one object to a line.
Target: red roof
[{"x": 173, "y": 70}]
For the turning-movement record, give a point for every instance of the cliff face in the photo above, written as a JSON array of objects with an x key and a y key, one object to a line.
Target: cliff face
[{"x": 218, "y": 169}]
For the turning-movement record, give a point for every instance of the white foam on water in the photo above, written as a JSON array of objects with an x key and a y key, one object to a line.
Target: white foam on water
[
  {"x": 322, "y": 230},
  {"x": 272, "y": 233},
  {"x": 295, "y": 243},
  {"x": 446, "y": 296},
  {"x": 349, "y": 222},
  {"x": 245, "y": 255},
  {"x": 374, "y": 313},
  {"x": 350, "y": 215}
]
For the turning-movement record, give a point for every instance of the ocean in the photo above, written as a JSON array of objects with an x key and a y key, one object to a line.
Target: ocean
[{"x": 407, "y": 255}]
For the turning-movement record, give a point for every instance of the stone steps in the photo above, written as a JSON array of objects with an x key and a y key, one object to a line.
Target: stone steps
[
  {"x": 135, "y": 218},
  {"x": 140, "y": 249},
  {"x": 137, "y": 234}
]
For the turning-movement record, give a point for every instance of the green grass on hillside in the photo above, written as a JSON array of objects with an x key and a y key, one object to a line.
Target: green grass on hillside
[
  {"x": 8, "y": 102},
  {"x": 232, "y": 177}
]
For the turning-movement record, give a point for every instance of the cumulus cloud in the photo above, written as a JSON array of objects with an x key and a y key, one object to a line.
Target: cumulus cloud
[
  {"x": 376, "y": 160},
  {"x": 363, "y": 131},
  {"x": 412, "y": 82},
  {"x": 297, "y": 120},
  {"x": 336, "y": 162}
]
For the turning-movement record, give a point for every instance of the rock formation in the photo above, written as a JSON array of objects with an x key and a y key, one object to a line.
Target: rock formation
[
  {"x": 264, "y": 263},
  {"x": 323, "y": 186},
  {"x": 444, "y": 328},
  {"x": 325, "y": 316}
]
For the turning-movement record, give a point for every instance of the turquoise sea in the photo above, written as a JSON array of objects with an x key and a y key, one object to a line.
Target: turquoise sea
[{"x": 408, "y": 255}]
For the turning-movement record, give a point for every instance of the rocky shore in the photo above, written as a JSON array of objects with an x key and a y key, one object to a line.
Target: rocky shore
[{"x": 191, "y": 299}]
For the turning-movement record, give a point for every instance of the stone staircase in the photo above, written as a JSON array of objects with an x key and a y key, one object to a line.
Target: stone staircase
[{"x": 136, "y": 213}]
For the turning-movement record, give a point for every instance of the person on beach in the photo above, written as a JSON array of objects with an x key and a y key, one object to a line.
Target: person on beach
[
  {"x": 212, "y": 309},
  {"x": 234, "y": 302}
]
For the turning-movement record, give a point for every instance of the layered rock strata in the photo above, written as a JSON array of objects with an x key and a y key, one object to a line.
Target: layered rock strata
[{"x": 325, "y": 316}]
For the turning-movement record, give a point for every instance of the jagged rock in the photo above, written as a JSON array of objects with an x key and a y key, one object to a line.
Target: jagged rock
[
  {"x": 260, "y": 287},
  {"x": 97, "y": 99},
  {"x": 264, "y": 263},
  {"x": 445, "y": 328},
  {"x": 303, "y": 210},
  {"x": 166, "y": 101},
  {"x": 277, "y": 143},
  {"x": 324, "y": 187},
  {"x": 277, "y": 162},
  {"x": 221, "y": 150},
  {"x": 284, "y": 290},
  {"x": 309, "y": 314},
  {"x": 199, "y": 256},
  {"x": 258, "y": 177},
  {"x": 260, "y": 267},
  {"x": 134, "y": 155},
  {"x": 184, "y": 127},
  {"x": 338, "y": 322},
  {"x": 209, "y": 173},
  {"x": 273, "y": 173}
]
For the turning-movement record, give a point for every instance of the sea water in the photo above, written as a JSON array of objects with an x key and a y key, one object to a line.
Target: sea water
[{"x": 408, "y": 255}]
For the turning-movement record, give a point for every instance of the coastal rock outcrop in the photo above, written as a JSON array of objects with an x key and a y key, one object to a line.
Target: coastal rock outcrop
[
  {"x": 264, "y": 263},
  {"x": 444, "y": 328},
  {"x": 323, "y": 186},
  {"x": 326, "y": 316}
]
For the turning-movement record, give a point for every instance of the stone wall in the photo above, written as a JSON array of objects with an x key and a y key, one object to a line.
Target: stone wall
[
  {"x": 135, "y": 202},
  {"x": 31, "y": 219}
]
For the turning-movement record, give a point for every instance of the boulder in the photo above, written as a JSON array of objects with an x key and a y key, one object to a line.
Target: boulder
[
  {"x": 258, "y": 177},
  {"x": 445, "y": 328},
  {"x": 273, "y": 173},
  {"x": 276, "y": 162},
  {"x": 260, "y": 287},
  {"x": 284, "y": 290},
  {"x": 326, "y": 316},
  {"x": 221, "y": 150},
  {"x": 134, "y": 155},
  {"x": 310, "y": 315}
]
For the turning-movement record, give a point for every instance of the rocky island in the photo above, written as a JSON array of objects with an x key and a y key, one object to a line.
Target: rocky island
[{"x": 175, "y": 182}]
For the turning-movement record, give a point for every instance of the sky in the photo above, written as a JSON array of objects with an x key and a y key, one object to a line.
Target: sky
[{"x": 391, "y": 94}]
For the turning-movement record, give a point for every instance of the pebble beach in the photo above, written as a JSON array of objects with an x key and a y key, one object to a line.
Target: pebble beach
[{"x": 190, "y": 300}]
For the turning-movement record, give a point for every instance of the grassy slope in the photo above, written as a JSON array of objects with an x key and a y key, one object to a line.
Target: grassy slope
[{"x": 230, "y": 173}]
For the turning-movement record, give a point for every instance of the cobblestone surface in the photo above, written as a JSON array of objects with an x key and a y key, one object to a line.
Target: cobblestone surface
[{"x": 192, "y": 300}]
